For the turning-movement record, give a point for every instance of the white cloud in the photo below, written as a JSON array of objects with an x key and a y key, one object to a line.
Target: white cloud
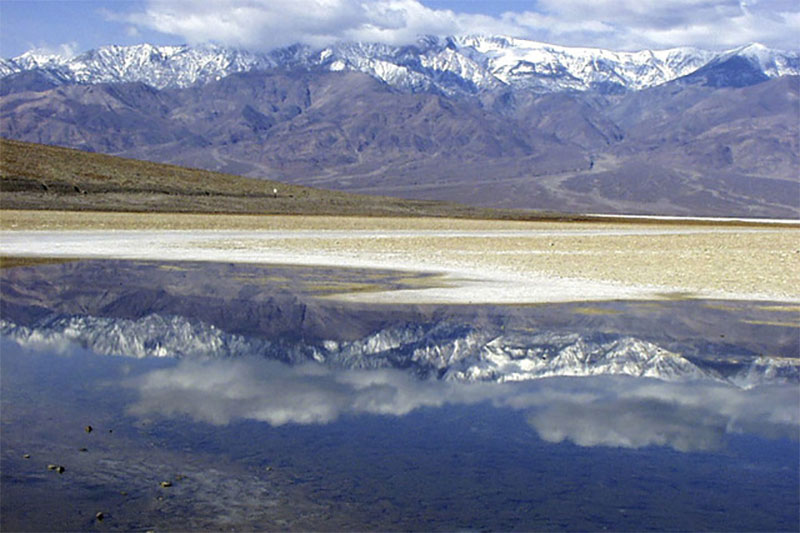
[
  {"x": 636, "y": 24},
  {"x": 63, "y": 50},
  {"x": 618, "y": 24}
]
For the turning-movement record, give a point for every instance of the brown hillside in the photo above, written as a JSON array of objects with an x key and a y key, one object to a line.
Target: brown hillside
[{"x": 35, "y": 176}]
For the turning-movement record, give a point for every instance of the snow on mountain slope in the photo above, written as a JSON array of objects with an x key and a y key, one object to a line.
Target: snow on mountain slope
[
  {"x": 452, "y": 65},
  {"x": 159, "y": 66},
  {"x": 771, "y": 64},
  {"x": 553, "y": 68},
  {"x": 443, "y": 350}
]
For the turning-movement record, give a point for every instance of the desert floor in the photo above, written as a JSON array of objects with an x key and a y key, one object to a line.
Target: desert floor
[{"x": 475, "y": 261}]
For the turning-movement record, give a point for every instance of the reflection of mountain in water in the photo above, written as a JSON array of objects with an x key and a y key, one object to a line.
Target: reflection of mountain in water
[
  {"x": 446, "y": 349},
  {"x": 213, "y": 310}
]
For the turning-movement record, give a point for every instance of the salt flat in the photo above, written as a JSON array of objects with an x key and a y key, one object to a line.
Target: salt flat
[{"x": 477, "y": 261}]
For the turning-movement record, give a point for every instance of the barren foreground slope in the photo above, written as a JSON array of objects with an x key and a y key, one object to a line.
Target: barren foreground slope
[
  {"x": 36, "y": 176},
  {"x": 478, "y": 261}
]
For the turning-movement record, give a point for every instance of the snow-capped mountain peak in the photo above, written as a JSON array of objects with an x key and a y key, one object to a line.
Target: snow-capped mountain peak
[
  {"x": 452, "y": 65},
  {"x": 159, "y": 66},
  {"x": 771, "y": 64},
  {"x": 547, "y": 66},
  {"x": 36, "y": 59}
]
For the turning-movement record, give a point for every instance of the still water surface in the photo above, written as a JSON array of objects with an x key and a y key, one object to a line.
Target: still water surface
[{"x": 265, "y": 405}]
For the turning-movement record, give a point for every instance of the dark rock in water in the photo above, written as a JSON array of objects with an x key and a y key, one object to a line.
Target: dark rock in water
[
  {"x": 83, "y": 450},
  {"x": 88, "y": 429}
]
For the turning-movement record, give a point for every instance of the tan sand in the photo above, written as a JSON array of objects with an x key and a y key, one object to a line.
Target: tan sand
[{"x": 483, "y": 261}]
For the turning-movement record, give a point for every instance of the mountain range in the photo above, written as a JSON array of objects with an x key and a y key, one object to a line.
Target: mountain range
[
  {"x": 452, "y": 65},
  {"x": 491, "y": 121}
]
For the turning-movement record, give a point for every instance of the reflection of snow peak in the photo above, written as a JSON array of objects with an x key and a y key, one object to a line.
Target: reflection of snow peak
[
  {"x": 151, "y": 336},
  {"x": 463, "y": 353},
  {"x": 445, "y": 350},
  {"x": 767, "y": 370},
  {"x": 627, "y": 356}
]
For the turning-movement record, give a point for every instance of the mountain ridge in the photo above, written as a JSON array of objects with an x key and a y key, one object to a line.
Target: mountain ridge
[
  {"x": 490, "y": 122},
  {"x": 452, "y": 65}
]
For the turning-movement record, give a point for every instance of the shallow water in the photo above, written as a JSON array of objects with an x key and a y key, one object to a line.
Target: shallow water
[{"x": 280, "y": 439}]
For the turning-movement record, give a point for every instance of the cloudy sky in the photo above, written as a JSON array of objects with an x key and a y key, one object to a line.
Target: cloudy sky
[{"x": 68, "y": 26}]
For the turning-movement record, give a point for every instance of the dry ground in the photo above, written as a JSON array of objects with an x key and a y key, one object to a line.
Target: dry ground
[
  {"x": 503, "y": 261},
  {"x": 41, "y": 177}
]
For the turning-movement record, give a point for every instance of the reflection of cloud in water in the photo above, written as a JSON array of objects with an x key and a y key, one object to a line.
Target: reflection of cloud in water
[
  {"x": 633, "y": 413},
  {"x": 220, "y": 391},
  {"x": 630, "y": 424},
  {"x": 595, "y": 411}
]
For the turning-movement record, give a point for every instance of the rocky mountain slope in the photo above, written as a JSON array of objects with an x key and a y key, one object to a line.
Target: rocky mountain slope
[{"x": 489, "y": 121}]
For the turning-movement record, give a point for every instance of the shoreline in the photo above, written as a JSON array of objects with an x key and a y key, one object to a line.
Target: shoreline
[
  {"x": 33, "y": 220},
  {"x": 474, "y": 261}
]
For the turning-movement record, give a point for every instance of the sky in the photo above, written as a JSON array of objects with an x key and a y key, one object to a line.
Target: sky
[{"x": 72, "y": 26}]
